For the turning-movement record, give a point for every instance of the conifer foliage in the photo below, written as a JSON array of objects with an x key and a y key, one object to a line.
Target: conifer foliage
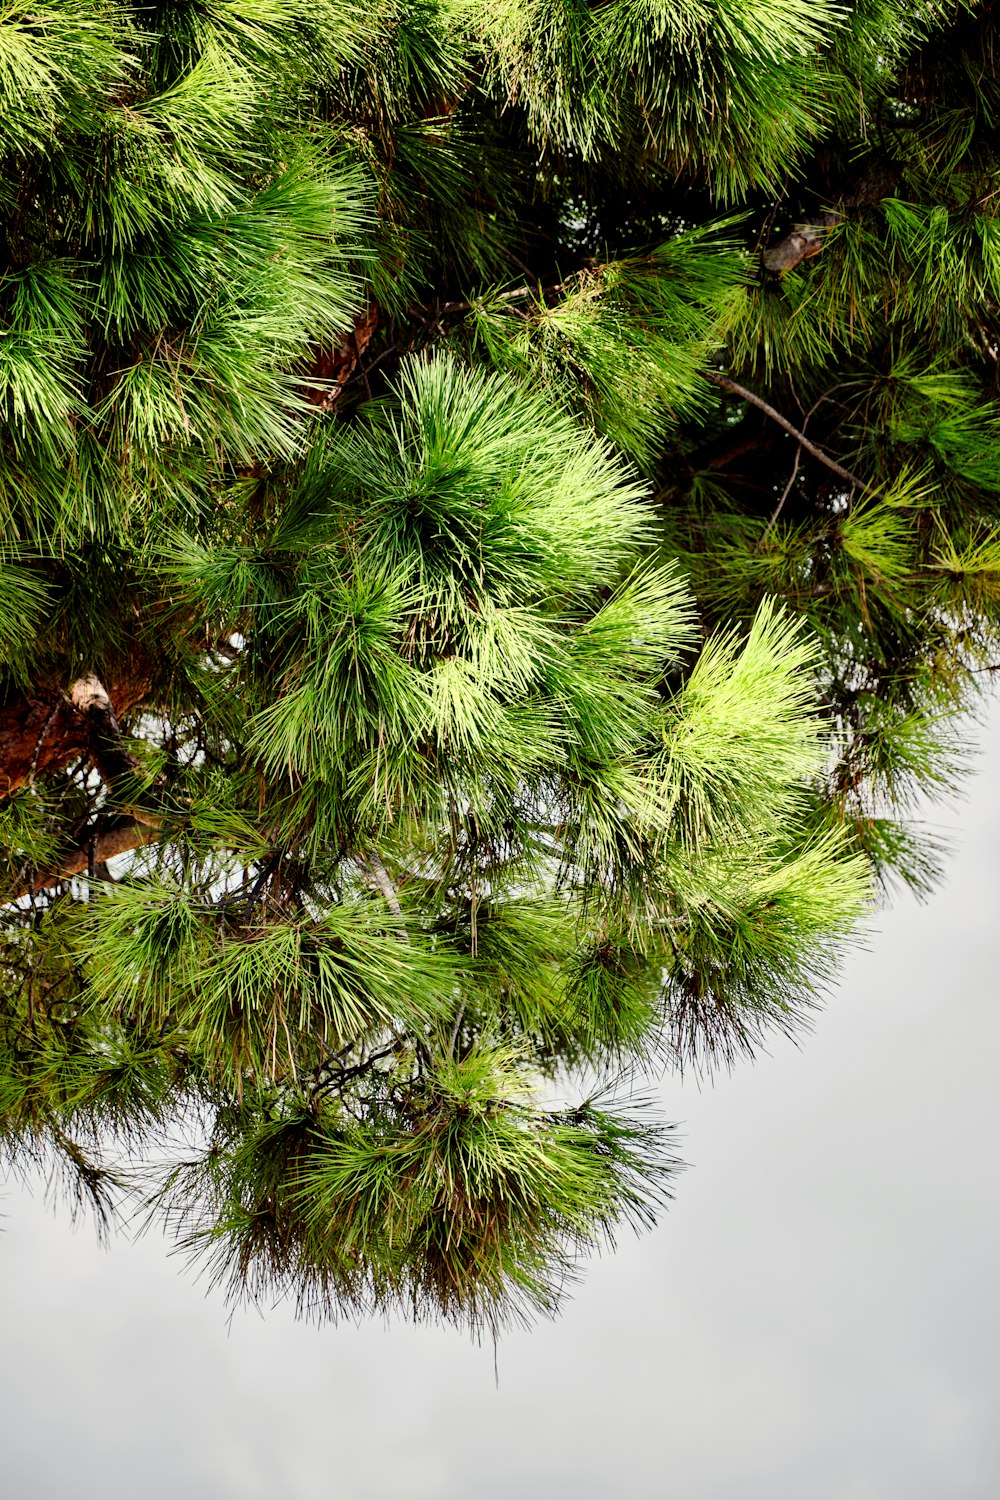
[{"x": 498, "y": 501}]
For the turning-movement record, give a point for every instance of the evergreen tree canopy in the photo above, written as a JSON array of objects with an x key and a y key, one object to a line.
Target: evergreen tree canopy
[{"x": 500, "y": 508}]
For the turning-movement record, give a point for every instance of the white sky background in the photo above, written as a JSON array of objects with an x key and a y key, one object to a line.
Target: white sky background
[{"x": 815, "y": 1319}]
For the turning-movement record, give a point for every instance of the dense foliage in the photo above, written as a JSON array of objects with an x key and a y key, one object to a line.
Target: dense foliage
[{"x": 499, "y": 510}]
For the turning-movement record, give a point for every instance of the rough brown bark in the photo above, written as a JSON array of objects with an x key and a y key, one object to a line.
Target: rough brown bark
[{"x": 43, "y": 733}]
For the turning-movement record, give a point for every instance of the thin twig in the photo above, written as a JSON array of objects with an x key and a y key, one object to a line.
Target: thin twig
[
  {"x": 454, "y": 1030},
  {"x": 362, "y": 372},
  {"x": 824, "y": 458},
  {"x": 270, "y": 864},
  {"x": 784, "y": 496},
  {"x": 517, "y": 295},
  {"x": 339, "y": 1076}
]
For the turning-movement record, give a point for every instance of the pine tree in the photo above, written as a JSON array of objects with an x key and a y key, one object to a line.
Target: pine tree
[{"x": 499, "y": 511}]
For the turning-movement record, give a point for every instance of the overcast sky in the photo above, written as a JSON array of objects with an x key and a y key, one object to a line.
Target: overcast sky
[{"x": 815, "y": 1319}]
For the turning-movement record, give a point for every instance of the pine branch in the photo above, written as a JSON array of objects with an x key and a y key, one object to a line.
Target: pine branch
[
  {"x": 451, "y": 624},
  {"x": 380, "y": 879},
  {"x": 726, "y": 384},
  {"x": 126, "y": 834},
  {"x": 109, "y": 753},
  {"x": 804, "y": 241}
]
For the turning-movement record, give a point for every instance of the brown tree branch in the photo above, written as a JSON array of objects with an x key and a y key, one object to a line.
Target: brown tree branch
[
  {"x": 108, "y": 751},
  {"x": 724, "y": 382},
  {"x": 369, "y": 859},
  {"x": 125, "y": 835},
  {"x": 804, "y": 241}
]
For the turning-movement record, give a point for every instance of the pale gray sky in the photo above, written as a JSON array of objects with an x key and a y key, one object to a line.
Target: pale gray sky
[{"x": 815, "y": 1319}]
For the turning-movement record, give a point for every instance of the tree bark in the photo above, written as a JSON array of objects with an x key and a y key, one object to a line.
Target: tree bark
[{"x": 43, "y": 733}]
